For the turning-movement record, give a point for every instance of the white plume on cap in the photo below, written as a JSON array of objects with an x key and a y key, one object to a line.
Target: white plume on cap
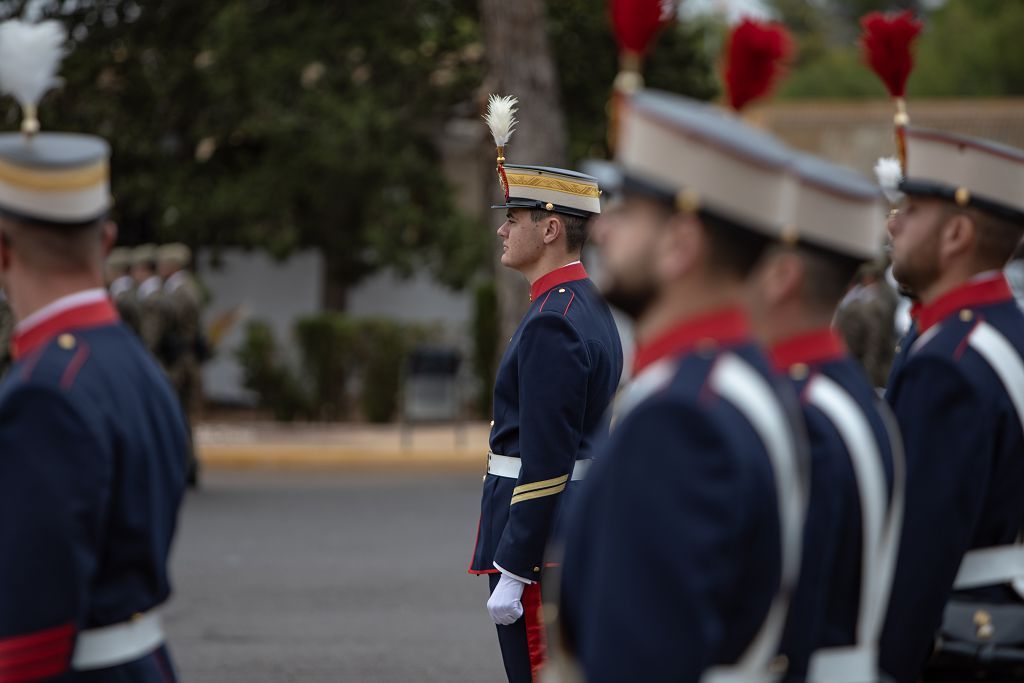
[
  {"x": 889, "y": 174},
  {"x": 30, "y": 57},
  {"x": 501, "y": 118}
]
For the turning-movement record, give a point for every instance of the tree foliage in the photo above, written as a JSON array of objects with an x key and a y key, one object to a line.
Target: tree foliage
[
  {"x": 274, "y": 124},
  {"x": 968, "y": 49},
  {"x": 280, "y": 125}
]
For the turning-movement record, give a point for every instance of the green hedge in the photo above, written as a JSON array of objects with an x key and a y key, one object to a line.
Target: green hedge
[{"x": 333, "y": 349}]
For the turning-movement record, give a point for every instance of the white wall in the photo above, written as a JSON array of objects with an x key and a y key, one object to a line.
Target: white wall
[{"x": 278, "y": 292}]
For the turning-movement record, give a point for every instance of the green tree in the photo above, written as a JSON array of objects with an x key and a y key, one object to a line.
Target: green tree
[
  {"x": 968, "y": 49},
  {"x": 279, "y": 125}
]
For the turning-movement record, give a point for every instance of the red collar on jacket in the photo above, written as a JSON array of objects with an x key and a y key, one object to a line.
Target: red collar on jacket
[
  {"x": 569, "y": 273},
  {"x": 83, "y": 309},
  {"x": 988, "y": 290},
  {"x": 809, "y": 348},
  {"x": 725, "y": 326}
]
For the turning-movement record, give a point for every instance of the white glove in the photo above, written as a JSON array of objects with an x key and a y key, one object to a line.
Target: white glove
[{"x": 505, "y": 605}]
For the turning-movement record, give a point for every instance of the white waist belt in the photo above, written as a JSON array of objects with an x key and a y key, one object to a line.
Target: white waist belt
[
  {"x": 854, "y": 664},
  {"x": 990, "y": 567},
  {"x": 509, "y": 467},
  {"x": 100, "y": 648}
]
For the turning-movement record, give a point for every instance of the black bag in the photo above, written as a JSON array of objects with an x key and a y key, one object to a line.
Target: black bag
[{"x": 982, "y": 640}]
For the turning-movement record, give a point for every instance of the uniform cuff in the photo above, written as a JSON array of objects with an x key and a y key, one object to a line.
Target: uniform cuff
[{"x": 511, "y": 575}]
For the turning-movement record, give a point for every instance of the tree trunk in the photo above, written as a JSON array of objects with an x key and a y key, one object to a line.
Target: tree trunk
[{"x": 520, "y": 63}]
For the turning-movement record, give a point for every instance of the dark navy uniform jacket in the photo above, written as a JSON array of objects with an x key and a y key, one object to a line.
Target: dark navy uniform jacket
[
  {"x": 92, "y": 471},
  {"x": 825, "y": 606},
  {"x": 551, "y": 397},
  {"x": 965, "y": 461},
  {"x": 673, "y": 550}
]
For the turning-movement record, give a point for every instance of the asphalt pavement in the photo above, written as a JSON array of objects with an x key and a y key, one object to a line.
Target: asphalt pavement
[{"x": 330, "y": 576}]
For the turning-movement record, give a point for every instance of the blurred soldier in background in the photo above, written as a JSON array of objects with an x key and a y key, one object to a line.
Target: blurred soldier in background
[
  {"x": 182, "y": 300},
  {"x": 685, "y": 542},
  {"x": 121, "y": 286},
  {"x": 153, "y": 317},
  {"x": 853, "y": 516},
  {"x": 183, "y": 343},
  {"x": 92, "y": 440},
  {"x": 1015, "y": 274},
  {"x": 866, "y": 318}
]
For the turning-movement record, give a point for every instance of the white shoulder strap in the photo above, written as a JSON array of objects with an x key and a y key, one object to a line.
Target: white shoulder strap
[
  {"x": 878, "y": 535},
  {"x": 737, "y": 382},
  {"x": 1001, "y": 564},
  {"x": 652, "y": 378}
]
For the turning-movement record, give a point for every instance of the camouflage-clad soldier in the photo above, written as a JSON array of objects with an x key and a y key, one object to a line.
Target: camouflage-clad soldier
[
  {"x": 153, "y": 324},
  {"x": 121, "y": 286},
  {"x": 182, "y": 343},
  {"x": 866, "y": 320},
  {"x": 182, "y": 300}
]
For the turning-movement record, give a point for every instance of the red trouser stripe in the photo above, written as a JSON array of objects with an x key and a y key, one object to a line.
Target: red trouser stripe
[{"x": 535, "y": 635}]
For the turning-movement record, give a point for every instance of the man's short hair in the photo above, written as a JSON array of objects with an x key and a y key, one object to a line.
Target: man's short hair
[
  {"x": 827, "y": 277},
  {"x": 732, "y": 249},
  {"x": 575, "y": 227},
  {"x": 997, "y": 237},
  {"x": 55, "y": 248}
]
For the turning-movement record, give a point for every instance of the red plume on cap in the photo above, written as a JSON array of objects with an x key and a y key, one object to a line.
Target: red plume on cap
[
  {"x": 754, "y": 60},
  {"x": 886, "y": 43},
  {"x": 637, "y": 22}
]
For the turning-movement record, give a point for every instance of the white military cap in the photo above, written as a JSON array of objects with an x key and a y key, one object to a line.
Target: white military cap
[
  {"x": 707, "y": 159},
  {"x": 51, "y": 178},
  {"x": 967, "y": 171},
  {"x": 553, "y": 189},
  {"x": 54, "y": 178},
  {"x": 836, "y": 209}
]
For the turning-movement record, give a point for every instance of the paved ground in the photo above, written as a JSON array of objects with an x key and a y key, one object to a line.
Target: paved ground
[{"x": 330, "y": 576}]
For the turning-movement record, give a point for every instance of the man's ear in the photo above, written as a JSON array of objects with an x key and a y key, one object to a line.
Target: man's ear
[
  {"x": 959, "y": 235},
  {"x": 785, "y": 277},
  {"x": 109, "y": 236},
  {"x": 553, "y": 227},
  {"x": 681, "y": 246}
]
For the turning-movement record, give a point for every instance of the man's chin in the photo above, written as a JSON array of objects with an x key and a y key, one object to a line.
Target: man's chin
[{"x": 632, "y": 302}]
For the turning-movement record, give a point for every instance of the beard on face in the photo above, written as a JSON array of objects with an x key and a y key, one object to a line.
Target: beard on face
[
  {"x": 633, "y": 299},
  {"x": 916, "y": 271}
]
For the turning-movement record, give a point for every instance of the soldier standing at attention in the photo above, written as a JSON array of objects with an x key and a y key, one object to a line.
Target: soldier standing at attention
[
  {"x": 853, "y": 517},
  {"x": 121, "y": 286},
  {"x": 182, "y": 301},
  {"x": 956, "y": 389},
  {"x": 153, "y": 318},
  {"x": 551, "y": 396},
  {"x": 92, "y": 440},
  {"x": 685, "y": 540}
]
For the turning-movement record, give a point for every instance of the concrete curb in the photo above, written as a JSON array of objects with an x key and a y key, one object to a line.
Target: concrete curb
[{"x": 342, "y": 446}]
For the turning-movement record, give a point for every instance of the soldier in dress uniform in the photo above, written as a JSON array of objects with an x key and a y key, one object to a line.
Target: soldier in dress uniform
[
  {"x": 91, "y": 436},
  {"x": 852, "y": 530},
  {"x": 551, "y": 396},
  {"x": 121, "y": 286},
  {"x": 149, "y": 297},
  {"x": 685, "y": 541},
  {"x": 182, "y": 300},
  {"x": 956, "y": 389}
]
